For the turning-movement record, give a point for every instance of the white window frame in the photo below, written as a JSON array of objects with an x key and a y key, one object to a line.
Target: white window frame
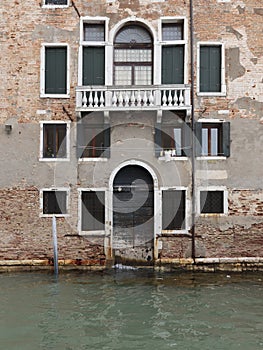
[
  {"x": 41, "y": 157},
  {"x": 185, "y": 231},
  {"x": 64, "y": 189},
  {"x": 83, "y": 43},
  {"x": 177, "y": 19},
  {"x": 214, "y": 121},
  {"x": 55, "y": 5},
  {"x": 42, "y": 71},
  {"x": 223, "y": 78},
  {"x": 212, "y": 188},
  {"x": 91, "y": 232}
]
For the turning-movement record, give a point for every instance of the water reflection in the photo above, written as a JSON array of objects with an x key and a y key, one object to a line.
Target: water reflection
[{"x": 131, "y": 310}]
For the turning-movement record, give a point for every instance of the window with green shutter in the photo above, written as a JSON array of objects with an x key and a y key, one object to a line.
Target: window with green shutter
[
  {"x": 212, "y": 139},
  {"x": 173, "y": 64},
  {"x": 56, "y": 70},
  {"x": 93, "y": 65},
  {"x": 210, "y": 68}
]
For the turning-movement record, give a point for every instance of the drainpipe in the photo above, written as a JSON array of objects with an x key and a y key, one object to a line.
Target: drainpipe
[{"x": 192, "y": 127}]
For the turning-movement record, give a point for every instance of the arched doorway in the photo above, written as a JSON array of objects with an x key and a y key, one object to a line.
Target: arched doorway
[{"x": 133, "y": 215}]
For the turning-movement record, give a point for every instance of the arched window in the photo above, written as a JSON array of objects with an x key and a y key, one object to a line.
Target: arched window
[{"x": 133, "y": 56}]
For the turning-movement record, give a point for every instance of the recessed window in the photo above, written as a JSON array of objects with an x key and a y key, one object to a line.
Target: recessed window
[
  {"x": 54, "y": 140},
  {"x": 173, "y": 210},
  {"x": 93, "y": 137},
  {"x": 212, "y": 202},
  {"x": 54, "y": 202},
  {"x": 213, "y": 139},
  {"x": 92, "y": 210},
  {"x": 54, "y": 72}
]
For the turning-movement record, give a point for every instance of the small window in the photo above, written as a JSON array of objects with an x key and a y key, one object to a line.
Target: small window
[
  {"x": 54, "y": 81},
  {"x": 212, "y": 202},
  {"x": 172, "y": 31},
  {"x": 54, "y": 202},
  {"x": 93, "y": 137},
  {"x": 213, "y": 139},
  {"x": 211, "y": 69},
  {"x": 54, "y": 141},
  {"x": 94, "y": 32},
  {"x": 92, "y": 210},
  {"x": 56, "y": 2},
  {"x": 173, "y": 210}
]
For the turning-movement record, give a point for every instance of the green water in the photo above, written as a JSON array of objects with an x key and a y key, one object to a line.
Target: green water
[{"x": 131, "y": 310}]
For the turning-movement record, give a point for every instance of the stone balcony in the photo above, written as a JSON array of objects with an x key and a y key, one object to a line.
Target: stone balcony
[{"x": 121, "y": 98}]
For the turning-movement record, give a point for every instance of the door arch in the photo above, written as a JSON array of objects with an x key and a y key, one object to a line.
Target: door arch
[{"x": 133, "y": 214}]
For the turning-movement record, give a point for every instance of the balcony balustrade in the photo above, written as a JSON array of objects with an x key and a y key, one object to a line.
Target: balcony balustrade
[{"x": 91, "y": 98}]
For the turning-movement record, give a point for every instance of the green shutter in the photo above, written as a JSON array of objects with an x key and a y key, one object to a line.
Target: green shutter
[
  {"x": 107, "y": 130},
  {"x": 173, "y": 64},
  {"x": 198, "y": 139},
  {"x": 158, "y": 139},
  {"x": 187, "y": 139},
  {"x": 56, "y": 70},
  {"x": 226, "y": 138},
  {"x": 210, "y": 68},
  {"x": 93, "y": 65}
]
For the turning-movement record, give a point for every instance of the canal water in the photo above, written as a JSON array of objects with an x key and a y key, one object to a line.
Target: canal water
[{"x": 130, "y": 310}]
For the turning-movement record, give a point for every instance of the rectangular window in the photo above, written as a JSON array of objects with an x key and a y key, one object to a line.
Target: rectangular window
[
  {"x": 54, "y": 140},
  {"x": 93, "y": 137},
  {"x": 94, "y": 32},
  {"x": 56, "y": 2},
  {"x": 173, "y": 51},
  {"x": 212, "y": 202},
  {"x": 54, "y": 80},
  {"x": 173, "y": 210},
  {"x": 54, "y": 202},
  {"x": 92, "y": 210},
  {"x": 174, "y": 138},
  {"x": 211, "y": 69},
  {"x": 213, "y": 139},
  {"x": 93, "y": 41}
]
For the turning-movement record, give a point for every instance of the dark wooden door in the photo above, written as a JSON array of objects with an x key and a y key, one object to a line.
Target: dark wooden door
[{"x": 133, "y": 214}]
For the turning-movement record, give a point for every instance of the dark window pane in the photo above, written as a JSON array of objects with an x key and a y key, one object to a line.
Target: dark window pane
[
  {"x": 56, "y": 70},
  {"x": 54, "y": 202},
  {"x": 94, "y": 32},
  {"x": 212, "y": 202},
  {"x": 54, "y": 139},
  {"x": 210, "y": 68},
  {"x": 93, "y": 210},
  {"x": 173, "y": 213},
  {"x": 56, "y": 2}
]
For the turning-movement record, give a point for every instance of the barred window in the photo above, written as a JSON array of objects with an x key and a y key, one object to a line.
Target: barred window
[
  {"x": 56, "y": 2},
  {"x": 54, "y": 202},
  {"x": 212, "y": 202},
  {"x": 92, "y": 210}
]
